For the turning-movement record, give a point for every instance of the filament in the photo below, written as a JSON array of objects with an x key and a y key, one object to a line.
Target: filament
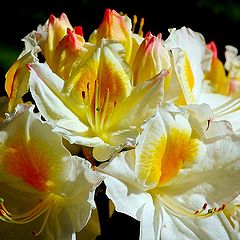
[
  {"x": 228, "y": 107},
  {"x": 44, "y": 206},
  {"x": 134, "y": 23},
  {"x": 181, "y": 211}
]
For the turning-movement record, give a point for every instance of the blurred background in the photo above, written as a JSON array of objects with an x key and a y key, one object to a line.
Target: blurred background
[{"x": 216, "y": 20}]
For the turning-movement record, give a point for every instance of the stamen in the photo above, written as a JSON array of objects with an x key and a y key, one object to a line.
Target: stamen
[
  {"x": 35, "y": 233},
  {"x": 181, "y": 211},
  {"x": 3, "y": 209},
  {"x": 105, "y": 108},
  {"x": 31, "y": 215},
  {"x": 97, "y": 106},
  {"x": 208, "y": 124},
  {"x": 210, "y": 211},
  {"x": 87, "y": 105},
  {"x": 134, "y": 23},
  {"x": 83, "y": 95},
  {"x": 140, "y": 31},
  {"x": 228, "y": 107}
]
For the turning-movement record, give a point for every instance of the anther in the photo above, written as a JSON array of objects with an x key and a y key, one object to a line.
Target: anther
[
  {"x": 204, "y": 206},
  {"x": 208, "y": 124},
  {"x": 140, "y": 32},
  {"x": 223, "y": 206},
  {"x": 2, "y": 213},
  {"x": 134, "y": 23},
  {"x": 83, "y": 94}
]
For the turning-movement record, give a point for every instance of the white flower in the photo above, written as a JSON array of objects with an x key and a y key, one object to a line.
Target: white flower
[
  {"x": 97, "y": 106},
  {"x": 176, "y": 182},
  {"x": 45, "y": 192}
]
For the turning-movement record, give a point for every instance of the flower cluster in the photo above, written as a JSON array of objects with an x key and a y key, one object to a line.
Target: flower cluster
[{"x": 155, "y": 119}]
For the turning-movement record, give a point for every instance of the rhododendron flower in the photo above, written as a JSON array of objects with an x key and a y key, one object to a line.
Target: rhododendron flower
[
  {"x": 97, "y": 104},
  {"x": 160, "y": 112},
  {"x": 218, "y": 90},
  {"x": 45, "y": 192},
  {"x": 223, "y": 78},
  {"x": 91, "y": 84},
  {"x": 182, "y": 54},
  {"x": 188, "y": 51},
  {"x": 45, "y": 39},
  {"x": 51, "y": 34},
  {"x": 73, "y": 57},
  {"x": 232, "y": 65},
  {"x": 175, "y": 182},
  {"x": 151, "y": 58},
  {"x": 216, "y": 77}
]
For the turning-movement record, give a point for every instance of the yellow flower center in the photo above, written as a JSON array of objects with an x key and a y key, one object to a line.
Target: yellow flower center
[
  {"x": 165, "y": 148},
  {"x": 162, "y": 158},
  {"x": 26, "y": 162},
  {"x": 179, "y": 148},
  {"x": 98, "y": 107}
]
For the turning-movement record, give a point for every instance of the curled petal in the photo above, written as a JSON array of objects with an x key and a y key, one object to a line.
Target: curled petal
[
  {"x": 188, "y": 49},
  {"x": 56, "y": 29},
  {"x": 67, "y": 52},
  {"x": 114, "y": 27},
  {"x": 17, "y": 77},
  {"x": 150, "y": 58},
  {"x": 216, "y": 75}
]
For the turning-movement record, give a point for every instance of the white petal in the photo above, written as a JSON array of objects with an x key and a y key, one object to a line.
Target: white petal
[
  {"x": 141, "y": 104},
  {"x": 193, "y": 43},
  {"x": 119, "y": 174},
  {"x": 146, "y": 216},
  {"x": 224, "y": 108},
  {"x": 214, "y": 177}
]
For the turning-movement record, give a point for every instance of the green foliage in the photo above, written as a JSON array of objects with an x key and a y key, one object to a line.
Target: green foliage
[
  {"x": 229, "y": 8},
  {"x": 8, "y": 55}
]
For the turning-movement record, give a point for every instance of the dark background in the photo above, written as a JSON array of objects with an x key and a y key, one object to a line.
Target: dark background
[{"x": 216, "y": 20}]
